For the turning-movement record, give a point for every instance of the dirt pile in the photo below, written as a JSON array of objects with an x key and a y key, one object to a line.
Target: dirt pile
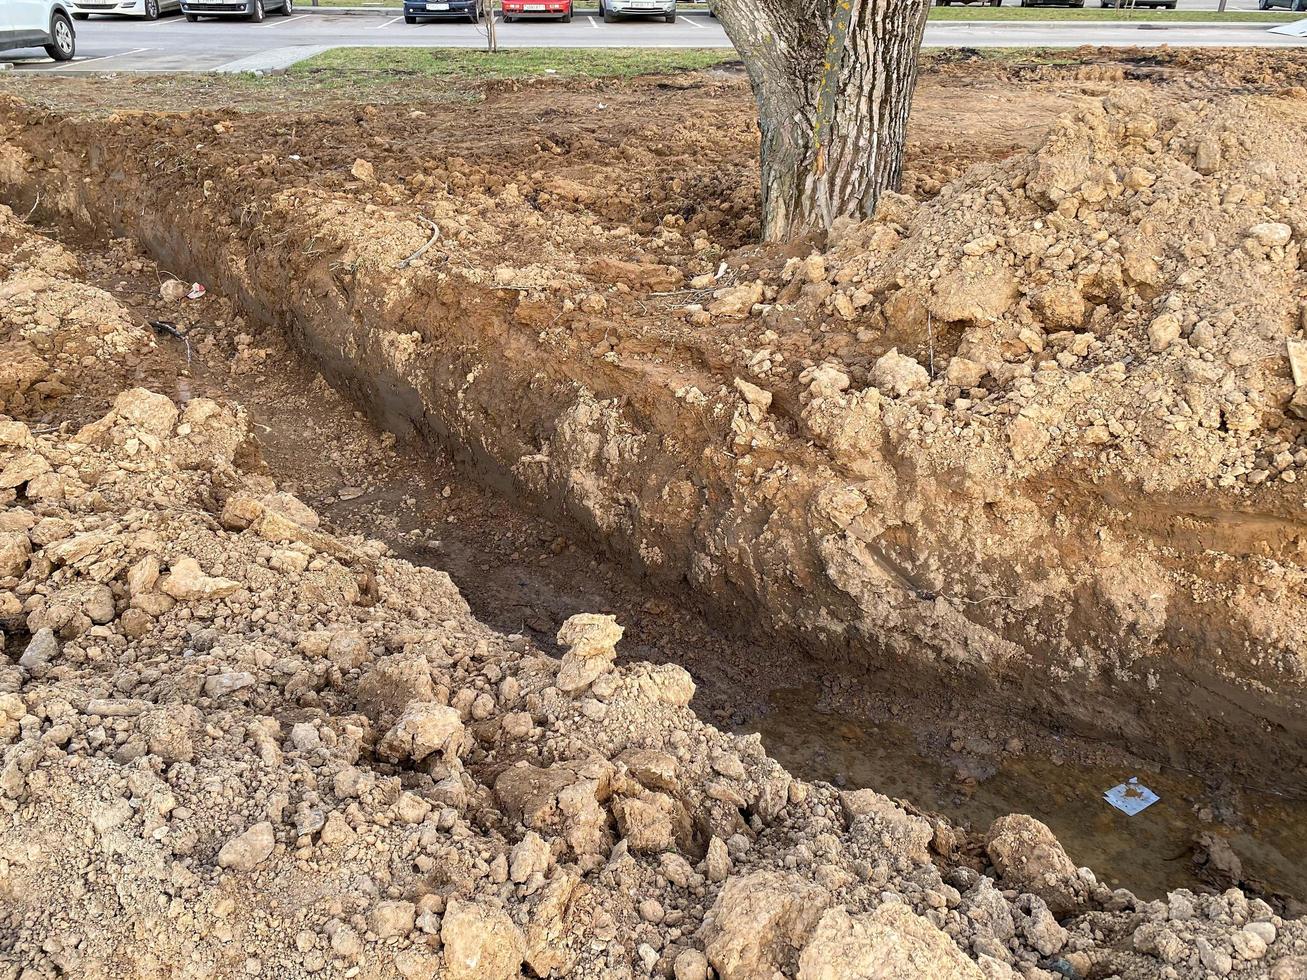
[
  {"x": 51, "y": 323},
  {"x": 1040, "y": 425},
  {"x": 235, "y": 743}
]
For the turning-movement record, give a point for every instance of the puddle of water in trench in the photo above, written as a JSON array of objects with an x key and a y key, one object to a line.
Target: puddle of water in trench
[{"x": 1149, "y": 853}]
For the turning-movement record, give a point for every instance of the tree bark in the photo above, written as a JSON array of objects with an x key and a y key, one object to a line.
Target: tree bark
[{"x": 834, "y": 82}]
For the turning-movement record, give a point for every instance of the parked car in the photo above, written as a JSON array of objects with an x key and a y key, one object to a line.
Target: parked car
[
  {"x": 415, "y": 10},
  {"x": 948, "y": 3},
  {"x": 249, "y": 9},
  {"x": 1131, "y": 4},
  {"x": 1052, "y": 3},
  {"x": 613, "y": 9},
  {"x": 1288, "y": 4},
  {"x": 38, "y": 24},
  {"x": 537, "y": 9},
  {"x": 149, "y": 9}
]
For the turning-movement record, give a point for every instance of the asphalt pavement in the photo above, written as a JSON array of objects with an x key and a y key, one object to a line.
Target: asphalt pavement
[{"x": 171, "y": 44}]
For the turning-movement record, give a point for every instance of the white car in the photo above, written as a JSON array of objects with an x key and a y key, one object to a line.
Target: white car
[
  {"x": 613, "y": 9},
  {"x": 38, "y": 24},
  {"x": 149, "y": 9}
]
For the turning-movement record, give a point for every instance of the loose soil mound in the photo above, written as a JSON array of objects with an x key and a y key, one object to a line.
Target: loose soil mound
[
  {"x": 1040, "y": 424},
  {"x": 237, "y": 744}
]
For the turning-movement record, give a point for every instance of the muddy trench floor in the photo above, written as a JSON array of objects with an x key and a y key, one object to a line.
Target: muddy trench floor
[{"x": 522, "y": 574}]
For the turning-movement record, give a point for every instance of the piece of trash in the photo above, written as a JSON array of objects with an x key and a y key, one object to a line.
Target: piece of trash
[
  {"x": 551, "y": 71},
  {"x": 294, "y": 156},
  {"x": 197, "y": 290},
  {"x": 1131, "y": 797}
]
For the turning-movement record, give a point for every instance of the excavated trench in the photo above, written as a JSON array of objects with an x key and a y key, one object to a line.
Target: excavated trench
[{"x": 594, "y": 452}]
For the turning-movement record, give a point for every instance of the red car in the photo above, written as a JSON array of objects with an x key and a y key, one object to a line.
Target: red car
[{"x": 536, "y": 9}]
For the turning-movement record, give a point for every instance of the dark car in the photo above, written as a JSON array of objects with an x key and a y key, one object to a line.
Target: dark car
[
  {"x": 249, "y": 9},
  {"x": 1287, "y": 4},
  {"x": 415, "y": 10},
  {"x": 1052, "y": 3},
  {"x": 983, "y": 3},
  {"x": 1132, "y": 4}
]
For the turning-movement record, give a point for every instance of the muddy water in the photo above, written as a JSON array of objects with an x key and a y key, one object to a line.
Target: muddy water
[{"x": 1149, "y": 853}]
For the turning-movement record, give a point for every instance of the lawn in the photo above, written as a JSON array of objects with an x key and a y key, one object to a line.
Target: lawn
[{"x": 517, "y": 63}]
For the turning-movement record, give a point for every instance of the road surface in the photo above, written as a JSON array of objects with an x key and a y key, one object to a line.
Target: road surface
[{"x": 171, "y": 44}]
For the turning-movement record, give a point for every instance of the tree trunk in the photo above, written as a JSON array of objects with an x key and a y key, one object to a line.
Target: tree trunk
[{"x": 834, "y": 82}]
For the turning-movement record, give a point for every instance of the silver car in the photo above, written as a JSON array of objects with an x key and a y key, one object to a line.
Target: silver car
[
  {"x": 149, "y": 9},
  {"x": 248, "y": 9},
  {"x": 613, "y": 9}
]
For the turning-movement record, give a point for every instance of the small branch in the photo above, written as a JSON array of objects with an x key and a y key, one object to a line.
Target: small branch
[{"x": 36, "y": 204}]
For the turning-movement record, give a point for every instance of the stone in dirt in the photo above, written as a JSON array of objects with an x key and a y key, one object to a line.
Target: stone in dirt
[
  {"x": 898, "y": 375},
  {"x": 1027, "y": 856},
  {"x": 481, "y": 942},
  {"x": 760, "y": 922},
  {"x": 424, "y": 728},
  {"x": 891, "y": 943},
  {"x": 186, "y": 581},
  {"x": 248, "y": 850},
  {"x": 591, "y": 641},
  {"x": 41, "y": 649}
]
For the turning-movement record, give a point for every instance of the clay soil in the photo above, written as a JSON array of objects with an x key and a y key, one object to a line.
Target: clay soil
[{"x": 610, "y": 167}]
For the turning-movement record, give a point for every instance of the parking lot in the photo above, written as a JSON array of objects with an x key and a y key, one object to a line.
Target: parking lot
[{"x": 172, "y": 44}]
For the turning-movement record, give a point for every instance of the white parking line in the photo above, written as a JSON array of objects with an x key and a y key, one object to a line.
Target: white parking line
[
  {"x": 284, "y": 21},
  {"x": 593, "y": 23},
  {"x": 386, "y": 24},
  {"x": 106, "y": 57},
  {"x": 693, "y": 22}
]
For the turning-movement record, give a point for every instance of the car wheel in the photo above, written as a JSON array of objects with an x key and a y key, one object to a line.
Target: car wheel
[
  {"x": 410, "y": 20},
  {"x": 287, "y": 7},
  {"x": 475, "y": 17},
  {"x": 63, "y": 42},
  {"x": 609, "y": 18},
  {"x": 151, "y": 9},
  {"x": 671, "y": 18},
  {"x": 192, "y": 18},
  {"x": 256, "y": 14},
  {"x": 567, "y": 17}
]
